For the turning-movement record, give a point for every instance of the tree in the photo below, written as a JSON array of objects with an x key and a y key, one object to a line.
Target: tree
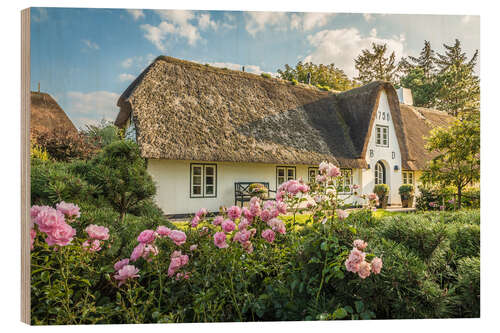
[
  {"x": 426, "y": 60},
  {"x": 376, "y": 65},
  {"x": 424, "y": 90},
  {"x": 120, "y": 172},
  {"x": 454, "y": 56},
  {"x": 457, "y": 162},
  {"x": 323, "y": 75}
]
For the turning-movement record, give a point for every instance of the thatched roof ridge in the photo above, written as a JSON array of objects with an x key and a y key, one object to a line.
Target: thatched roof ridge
[
  {"x": 47, "y": 115},
  {"x": 187, "y": 111}
]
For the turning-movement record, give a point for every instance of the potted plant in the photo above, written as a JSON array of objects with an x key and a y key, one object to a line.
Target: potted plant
[
  {"x": 406, "y": 192},
  {"x": 381, "y": 191},
  {"x": 258, "y": 190}
]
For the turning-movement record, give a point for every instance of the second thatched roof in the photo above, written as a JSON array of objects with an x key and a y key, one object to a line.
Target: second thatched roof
[{"x": 187, "y": 111}]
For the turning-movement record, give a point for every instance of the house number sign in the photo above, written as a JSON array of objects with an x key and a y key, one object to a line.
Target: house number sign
[{"x": 383, "y": 115}]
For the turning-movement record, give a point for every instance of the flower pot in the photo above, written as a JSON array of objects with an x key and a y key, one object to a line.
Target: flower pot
[
  {"x": 383, "y": 202},
  {"x": 407, "y": 201}
]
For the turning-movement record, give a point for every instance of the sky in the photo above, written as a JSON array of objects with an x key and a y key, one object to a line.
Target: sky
[{"x": 85, "y": 58}]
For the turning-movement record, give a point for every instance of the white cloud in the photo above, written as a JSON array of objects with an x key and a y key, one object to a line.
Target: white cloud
[
  {"x": 258, "y": 21},
  {"x": 136, "y": 13},
  {"x": 341, "y": 46},
  {"x": 315, "y": 20},
  {"x": 97, "y": 105},
  {"x": 124, "y": 77},
  {"x": 205, "y": 22},
  {"x": 229, "y": 21},
  {"x": 91, "y": 45},
  {"x": 176, "y": 23}
]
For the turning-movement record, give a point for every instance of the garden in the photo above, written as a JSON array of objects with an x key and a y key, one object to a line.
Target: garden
[{"x": 103, "y": 252}]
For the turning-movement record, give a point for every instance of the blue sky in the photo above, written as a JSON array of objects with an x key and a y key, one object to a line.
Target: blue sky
[{"x": 85, "y": 58}]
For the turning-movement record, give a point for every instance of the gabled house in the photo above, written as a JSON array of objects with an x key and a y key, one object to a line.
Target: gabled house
[
  {"x": 203, "y": 129},
  {"x": 47, "y": 115}
]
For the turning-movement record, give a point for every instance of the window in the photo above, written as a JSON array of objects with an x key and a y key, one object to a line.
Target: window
[
  {"x": 284, "y": 173},
  {"x": 382, "y": 136},
  {"x": 379, "y": 173},
  {"x": 203, "y": 181},
  {"x": 312, "y": 173},
  {"x": 407, "y": 177},
  {"x": 345, "y": 181}
]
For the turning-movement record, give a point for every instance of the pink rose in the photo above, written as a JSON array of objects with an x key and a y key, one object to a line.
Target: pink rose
[
  {"x": 149, "y": 251},
  {"x": 218, "y": 220},
  {"x": 127, "y": 272},
  {"x": 195, "y": 221},
  {"x": 360, "y": 244},
  {"x": 364, "y": 269},
  {"x": 97, "y": 232},
  {"x": 137, "y": 252},
  {"x": 68, "y": 209},
  {"x": 376, "y": 265},
  {"x": 177, "y": 260},
  {"x": 248, "y": 246},
  {"x": 243, "y": 223},
  {"x": 61, "y": 235},
  {"x": 201, "y": 213},
  {"x": 372, "y": 196},
  {"x": 193, "y": 247},
  {"x": 268, "y": 235},
  {"x": 220, "y": 240},
  {"x": 320, "y": 178},
  {"x": 35, "y": 210},
  {"x": 355, "y": 187},
  {"x": 146, "y": 236},
  {"x": 277, "y": 225},
  {"x": 356, "y": 256},
  {"x": 48, "y": 218},
  {"x": 282, "y": 208},
  {"x": 333, "y": 171},
  {"x": 120, "y": 264},
  {"x": 234, "y": 212},
  {"x": 32, "y": 237},
  {"x": 228, "y": 226},
  {"x": 247, "y": 213},
  {"x": 351, "y": 266},
  {"x": 92, "y": 246},
  {"x": 163, "y": 231},
  {"x": 178, "y": 237},
  {"x": 265, "y": 215},
  {"x": 341, "y": 214},
  {"x": 242, "y": 236},
  {"x": 324, "y": 166}
]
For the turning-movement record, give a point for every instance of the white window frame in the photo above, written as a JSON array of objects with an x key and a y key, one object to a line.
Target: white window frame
[
  {"x": 286, "y": 174},
  {"x": 408, "y": 177},
  {"x": 381, "y": 136},
  {"x": 203, "y": 184},
  {"x": 346, "y": 179}
]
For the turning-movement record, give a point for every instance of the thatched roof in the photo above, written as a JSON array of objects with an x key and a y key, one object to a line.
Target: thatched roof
[
  {"x": 417, "y": 124},
  {"x": 187, "y": 111},
  {"x": 47, "y": 115}
]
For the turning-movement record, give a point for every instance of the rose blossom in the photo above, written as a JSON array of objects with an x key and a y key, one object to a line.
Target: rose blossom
[
  {"x": 137, "y": 252},
  {"x": 248, "y": 246},
  {"x": 163, "y": 231},
  {"x": 356, "y": 256},
  {"x": 125, "y": 273},
  {"x": 268, "y": 235},
  {"x": 97, "y": 232},
  {"x": 218, "y": 220},
  {"x": 61, "y": 235},
  {"x": 277, "y": 225},
  {"x": 68, "y": 209},
  {"x": 149, "y": 251},
  {"x": 220, "y": 240},
  {"x": 243, "y": 223},
  {"x": 195, "y": 221},
  {"x": 341, "y": 214},
  {"x": 228, "y": 226},
  {"x": 32, "y": 237},
  {"x": 265, "y": 215},
  {"x": 376, "y": 265},
  {"x": 364, "y": 269},
  {"x": 372, "y": 196},
  {"x": 94, "y": 246},
  {"x": 234, "y": 212},
  {"x": 201, "y": 213},
  {"x": 177, "y": 260},
  {"x": 178, "y": 237},
  {"x": 193, "y": 247},
  {"x": 242, "y": 236},
  {"x": 351, "y": 266},
  {"x": 120, "y": 264},
  {"x": 49, "y": 218},
  {"x": 323, "y": 167},
  {"x": 34, "y": 210},
  {"x": 247, "y": 213},
  {"x": 333, "y": 171},
  {"x": 360, "y": 244}
]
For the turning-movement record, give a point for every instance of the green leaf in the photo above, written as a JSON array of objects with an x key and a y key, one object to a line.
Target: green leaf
[{"x": 359, "y": 306}]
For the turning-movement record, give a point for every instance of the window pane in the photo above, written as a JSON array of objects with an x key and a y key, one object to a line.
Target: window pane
[
  {"x": 291, "y": 173},
  {"x": 209, "y": 190},
  {"x": 281, "y": 172},
  {"x": 209, "y": 180},
  {"x": 209, "y": 170},
  {"x": 196, "y": 190},
  {"x": 197, "y": 180},
  {"x": 196, "y": 170}
]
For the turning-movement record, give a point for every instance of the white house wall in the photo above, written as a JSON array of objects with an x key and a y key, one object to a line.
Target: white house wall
[
  {"x": 172, "y": 179},
  {"x": 384, "y": 154}
]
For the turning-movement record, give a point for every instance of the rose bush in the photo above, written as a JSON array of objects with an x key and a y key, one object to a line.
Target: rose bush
[{"x": 245, "y": 264}]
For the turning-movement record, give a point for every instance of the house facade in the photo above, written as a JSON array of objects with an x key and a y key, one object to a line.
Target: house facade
[{"x": 204, "y": 129}]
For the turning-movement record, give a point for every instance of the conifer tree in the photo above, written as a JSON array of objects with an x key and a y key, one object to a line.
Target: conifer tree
[
  {"x": 426, "y": 60},
  {"x": 376, "y": 65}
]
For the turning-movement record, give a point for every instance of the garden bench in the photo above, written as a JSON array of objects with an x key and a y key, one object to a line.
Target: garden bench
[{"x": 242, "y": 192}]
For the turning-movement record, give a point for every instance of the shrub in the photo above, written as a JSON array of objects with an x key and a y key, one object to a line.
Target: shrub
[
  {"x": 406, "y": 190},
  {"x": 465, "y": 240},
  {"x": 381, "y": 190},
  {"x": 467, "y": 292},
  {"x": 121, "y": 173},
  {"x": 265, "y": 75}
]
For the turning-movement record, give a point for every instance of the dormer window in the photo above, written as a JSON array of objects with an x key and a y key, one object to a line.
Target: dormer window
[{"x": 382, "y": 136}]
